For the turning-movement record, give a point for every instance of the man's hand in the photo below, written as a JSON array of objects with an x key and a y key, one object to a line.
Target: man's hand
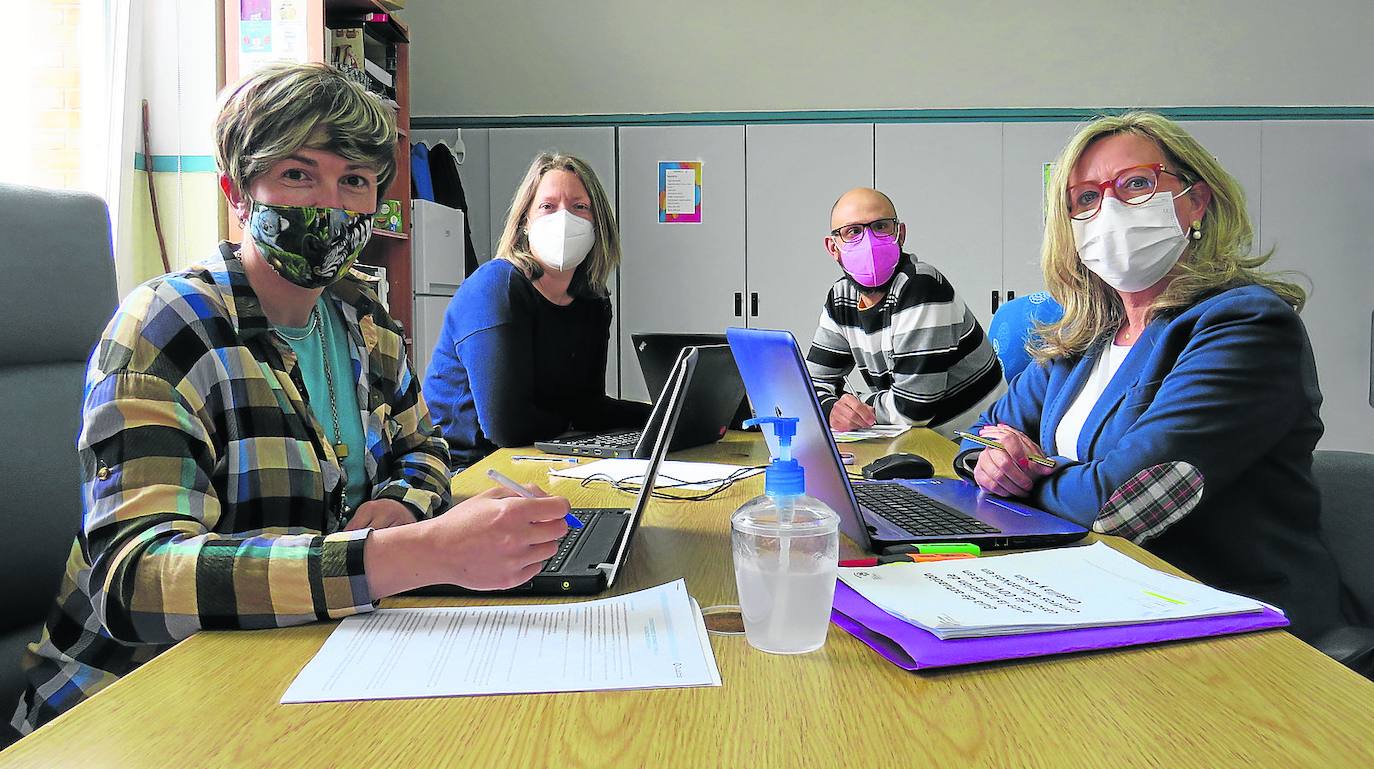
[
  {"x": 1009, "y": 473},
  {"x": 492, "y": 541},
  {"x": 380, "y": 514},
  {"x": 850, "y": 413}
]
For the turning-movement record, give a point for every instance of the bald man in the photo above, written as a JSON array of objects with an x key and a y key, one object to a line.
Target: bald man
[{"x": 922, "y": 353}]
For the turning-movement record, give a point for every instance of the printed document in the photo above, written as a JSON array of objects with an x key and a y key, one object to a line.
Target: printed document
[
  {"x": 1062, "y": 588},
  {"x": 654, "y": 638},
  {"x": 874, "y": 431}
]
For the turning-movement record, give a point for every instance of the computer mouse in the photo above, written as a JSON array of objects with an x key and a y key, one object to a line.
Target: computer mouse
[{"x": 900, "y": 466}]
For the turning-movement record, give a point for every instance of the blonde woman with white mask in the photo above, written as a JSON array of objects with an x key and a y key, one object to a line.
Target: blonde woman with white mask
[
  {"x": 1177, "y": 396},
  {"x": 522, "y": 355}
]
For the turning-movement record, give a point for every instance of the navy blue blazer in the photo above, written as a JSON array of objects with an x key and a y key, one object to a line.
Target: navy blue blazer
[{"x": 1200, "y": 449}]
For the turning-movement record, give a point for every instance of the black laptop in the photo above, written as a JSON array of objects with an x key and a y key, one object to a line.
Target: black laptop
[
  {"x": 589, "y": 558},
  {"x": 656, "y": 352},
  {"x": 711, "y": 399}
]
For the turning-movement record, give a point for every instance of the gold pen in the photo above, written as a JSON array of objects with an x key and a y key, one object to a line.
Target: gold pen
[{"x": 980, "y": 440}]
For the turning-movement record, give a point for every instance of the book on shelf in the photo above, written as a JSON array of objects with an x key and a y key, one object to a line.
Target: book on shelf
[
  {"x": 376, "y": 71},
  {"x": 346, "y": 50}
]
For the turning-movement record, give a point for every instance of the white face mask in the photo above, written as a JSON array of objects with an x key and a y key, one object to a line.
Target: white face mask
[
  {"x": 561, "y": 240},
  {"x": 1131, "y": 247}
]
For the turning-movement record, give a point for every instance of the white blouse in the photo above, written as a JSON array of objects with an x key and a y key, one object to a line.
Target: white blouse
[{"x": 1066, "y": 434}]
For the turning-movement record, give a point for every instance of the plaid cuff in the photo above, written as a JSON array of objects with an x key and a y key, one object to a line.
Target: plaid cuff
[
  {"x": 424, "y": 504},
  {"x": 1150, "y": 502},
  {"x": 342, "y": 579}
]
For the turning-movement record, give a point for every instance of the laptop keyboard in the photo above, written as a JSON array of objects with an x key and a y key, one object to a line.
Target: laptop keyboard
[
  {"x": 918, "y": 514},
  {"x": 620, "y": 440},
  {"x": 570, "y": 540}
]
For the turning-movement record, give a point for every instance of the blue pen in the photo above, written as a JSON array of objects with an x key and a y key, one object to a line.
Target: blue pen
[{"x": 495, "y": 475}]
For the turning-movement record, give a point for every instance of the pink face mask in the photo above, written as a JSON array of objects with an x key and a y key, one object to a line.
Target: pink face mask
[{"x": 870, "y": 261}]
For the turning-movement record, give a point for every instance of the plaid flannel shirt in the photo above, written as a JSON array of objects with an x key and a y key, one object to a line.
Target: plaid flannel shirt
[{"x": 212, "y": 499}]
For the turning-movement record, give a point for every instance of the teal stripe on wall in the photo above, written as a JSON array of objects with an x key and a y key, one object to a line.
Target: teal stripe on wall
[
  {"x": 1023, "y": 115},
  {"x": 199, "y": 164}
]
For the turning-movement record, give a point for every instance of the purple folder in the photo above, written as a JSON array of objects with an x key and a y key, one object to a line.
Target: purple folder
[{"x": 911, "y": 648}]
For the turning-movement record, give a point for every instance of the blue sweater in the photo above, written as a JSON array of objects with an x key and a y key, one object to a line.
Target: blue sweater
[
  {"x": 1222, "y": 398},
  {"x": 511, "y": 367}
]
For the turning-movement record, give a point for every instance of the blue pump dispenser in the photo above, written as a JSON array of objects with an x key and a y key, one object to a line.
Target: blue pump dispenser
[{"x": 785, "y": 477}]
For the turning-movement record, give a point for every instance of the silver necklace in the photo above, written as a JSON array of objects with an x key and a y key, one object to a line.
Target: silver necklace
[
  {"x": 309, "y": 328},
  {"x": 340, "y": 448}
]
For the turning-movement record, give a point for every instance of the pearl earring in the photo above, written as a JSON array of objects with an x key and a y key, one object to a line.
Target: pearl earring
[{"x": 1197, "y": 230}]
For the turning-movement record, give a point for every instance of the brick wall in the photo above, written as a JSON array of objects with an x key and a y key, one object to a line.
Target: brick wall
[{"x": 56, "y": 151}]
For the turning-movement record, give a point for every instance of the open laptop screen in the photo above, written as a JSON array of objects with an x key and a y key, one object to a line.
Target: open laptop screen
[{"x": 682, "y": 375}]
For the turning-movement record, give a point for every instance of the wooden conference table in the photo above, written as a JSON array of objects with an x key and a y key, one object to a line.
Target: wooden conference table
[{"x": 1263, "y": 699}]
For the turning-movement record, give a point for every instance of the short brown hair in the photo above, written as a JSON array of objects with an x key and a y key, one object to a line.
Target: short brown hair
[{"x": 283, "y": 107}]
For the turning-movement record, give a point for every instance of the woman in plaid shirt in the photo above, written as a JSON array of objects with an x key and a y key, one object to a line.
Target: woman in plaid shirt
[{"x": 255, "y": 450}]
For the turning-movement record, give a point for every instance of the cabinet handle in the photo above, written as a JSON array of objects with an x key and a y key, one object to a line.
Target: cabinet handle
[
  {"x": 753, "y": 305},
  {"x": 739, "y": 304},
  {"x": 1010, "y": 295},
  {"x": 996, "y": 300}
]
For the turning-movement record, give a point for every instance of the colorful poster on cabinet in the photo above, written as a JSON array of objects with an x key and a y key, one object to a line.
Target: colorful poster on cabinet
[
  {"x": 679, "y": 191},
  {"x": 270, "y": 30}
]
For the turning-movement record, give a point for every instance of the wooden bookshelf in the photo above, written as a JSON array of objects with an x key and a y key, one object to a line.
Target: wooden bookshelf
[{"x": 386, "y": 249}]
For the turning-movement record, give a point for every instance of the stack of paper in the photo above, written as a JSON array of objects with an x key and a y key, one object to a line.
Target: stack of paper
[
  {"x": 1059, "y": 589},
  {"x": 650, "y": 639},
  {"x": 864, "y": 433}
]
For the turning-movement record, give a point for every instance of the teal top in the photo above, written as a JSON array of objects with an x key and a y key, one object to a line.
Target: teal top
[{"x": 310, "y": 350}]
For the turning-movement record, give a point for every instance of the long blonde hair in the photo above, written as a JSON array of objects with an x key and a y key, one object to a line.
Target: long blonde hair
[
  {"x": 514, "y": 246},
  {"x": 1220, "y": 260}
]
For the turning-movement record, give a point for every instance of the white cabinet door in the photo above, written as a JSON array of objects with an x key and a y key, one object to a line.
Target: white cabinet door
[
  {"x": 429, "y": 321},
  {"x": 1236, "y": 145},
  {"x": 679, "y": 276},
  {"x": 795, "y": 173},
  {"x": 945, "y": 179},
  {"x": 1026, "y": 148},
  {"x": 1315, "y": 199},
  {"x": 511, "y": 151}
]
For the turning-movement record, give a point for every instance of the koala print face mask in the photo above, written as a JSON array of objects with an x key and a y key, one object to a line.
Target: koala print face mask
[{"x": 309, "y": 246}]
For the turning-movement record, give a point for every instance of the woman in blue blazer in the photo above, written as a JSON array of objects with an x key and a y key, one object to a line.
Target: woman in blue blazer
[{"x": 1178, "y": 394}]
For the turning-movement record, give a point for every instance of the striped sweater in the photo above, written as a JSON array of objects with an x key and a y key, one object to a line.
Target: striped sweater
[{"x": 921, "y": 352}]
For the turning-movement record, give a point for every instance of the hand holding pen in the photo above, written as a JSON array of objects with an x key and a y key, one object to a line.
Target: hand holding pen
[
  {"x": 1001, "y": 431},
  {"x": 502, "y": 479},
  {"x": 1014, "y": 465}
]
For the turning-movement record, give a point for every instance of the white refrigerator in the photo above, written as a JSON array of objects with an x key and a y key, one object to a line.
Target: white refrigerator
[{"x": 437, "y": 257}]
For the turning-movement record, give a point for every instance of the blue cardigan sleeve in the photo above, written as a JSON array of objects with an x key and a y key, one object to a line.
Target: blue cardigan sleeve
[
  {"x": 1020, "y": 407},
  {"x": 1230, "y": 396},
  {"x": 489, "y": 328},
  {"x": 501, "y": 370}
]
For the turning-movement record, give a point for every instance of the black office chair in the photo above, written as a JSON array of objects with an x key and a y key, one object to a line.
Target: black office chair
[
  {"x": 56, "y": 294},
  {"x": 1346, "y": 481}
]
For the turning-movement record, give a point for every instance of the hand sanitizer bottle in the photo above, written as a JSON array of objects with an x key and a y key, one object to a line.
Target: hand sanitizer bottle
[{"x": 786, "y": 549}]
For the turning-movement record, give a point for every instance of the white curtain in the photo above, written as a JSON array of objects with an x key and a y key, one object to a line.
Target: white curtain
[{"x": 114, "y": 132}]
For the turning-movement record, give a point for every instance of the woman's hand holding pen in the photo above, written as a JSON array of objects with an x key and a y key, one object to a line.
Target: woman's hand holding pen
[{"x": 1010, "y": 472}]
